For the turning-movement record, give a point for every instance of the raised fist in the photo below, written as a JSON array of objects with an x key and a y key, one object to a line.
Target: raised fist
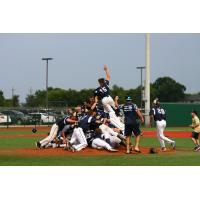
[{"x": 105, "y": 67}]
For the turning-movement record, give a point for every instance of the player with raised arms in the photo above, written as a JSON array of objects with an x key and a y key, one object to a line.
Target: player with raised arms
[{"x": 103, "y": 92}]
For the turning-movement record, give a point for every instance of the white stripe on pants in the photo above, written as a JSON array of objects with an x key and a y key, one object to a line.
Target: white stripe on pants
[
  {"x": 51, "y": 136},
  {"x": 78, "y": 139},
  {"x": 161, "y": 125}
]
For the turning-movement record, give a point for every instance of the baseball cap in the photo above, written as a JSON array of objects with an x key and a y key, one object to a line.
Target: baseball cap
[{"x": 128, "y": 98}]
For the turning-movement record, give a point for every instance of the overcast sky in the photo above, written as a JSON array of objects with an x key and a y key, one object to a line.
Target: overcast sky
[{"x": 78, "y": 60}]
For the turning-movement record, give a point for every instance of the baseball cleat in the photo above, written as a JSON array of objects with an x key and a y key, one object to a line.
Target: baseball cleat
[
  {"x": 198, "y": 148},
  {"x": 38, "y": 145},
  {"x": 195, "y": 148},
  {"x": 163, "y": 149},
  {"x": 113, "y": 150},
  {"x": 173, "y": 144}
]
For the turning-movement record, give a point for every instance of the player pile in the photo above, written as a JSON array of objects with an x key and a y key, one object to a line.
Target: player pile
[
  {"x": 102, "y": 123},
  {"x": 87, "y": 125},
  {"x": 97, "y": 123}
]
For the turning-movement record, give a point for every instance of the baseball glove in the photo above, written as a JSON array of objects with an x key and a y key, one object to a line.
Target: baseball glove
[{"x": 153, "y": 150}]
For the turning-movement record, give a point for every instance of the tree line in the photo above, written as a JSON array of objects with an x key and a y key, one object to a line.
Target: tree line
[{"x": 164, "y": 88}]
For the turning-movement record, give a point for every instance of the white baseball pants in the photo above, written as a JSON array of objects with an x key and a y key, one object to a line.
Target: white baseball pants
[
  {"x": 115, "y": 121},
  {"x": 108, "y": 133},
  {"x": 108, "y": 103},
  {"x": 52, "y": 135},
  {"x": 161, "y": 125},
  {"x": 99, "y": 143},
  {"x": 78, "y": 139}
]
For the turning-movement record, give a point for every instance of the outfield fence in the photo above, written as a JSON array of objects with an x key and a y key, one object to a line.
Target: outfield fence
[{"x": 179, "y": 114}]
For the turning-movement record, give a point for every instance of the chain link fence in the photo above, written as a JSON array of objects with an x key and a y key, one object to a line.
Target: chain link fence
[{"x": 23, "y": 116}]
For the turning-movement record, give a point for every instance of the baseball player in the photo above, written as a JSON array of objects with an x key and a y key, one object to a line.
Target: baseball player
[
  {"x": 196, "y": 130},
  {"x": 79, "y": 137},
  {"x": 89, "y": 124},
  {"x": 131, "y": 112},
  {"x": 158, "y": 114},
  {"x": 114, "y": 120},
  {"x": 103, "y": 92},
  {"x": 54, "y": 130},
  {"x": 98, "y": 143},
  {"x": 110, "y": 136}
]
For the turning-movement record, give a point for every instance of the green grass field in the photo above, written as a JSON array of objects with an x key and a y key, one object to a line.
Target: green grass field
[{"x": 183, "y": 156}]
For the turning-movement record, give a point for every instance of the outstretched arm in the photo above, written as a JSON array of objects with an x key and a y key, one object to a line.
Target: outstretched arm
[{"x": 107, "y": 72}]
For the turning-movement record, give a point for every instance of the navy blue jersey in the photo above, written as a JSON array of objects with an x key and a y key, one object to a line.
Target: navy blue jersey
[
  {"x": 104, "y": 91},
  {"x": 103, "y": 114},
  {"x": 99, "y": 106},
  {"x": 87, "y": 123},
  {"x": 158, "y": 113},
  {"x": 90, "y": 136},
  {"x": 62, "y": 123},
  {"x": 80, "y": 115},
  {"x": 130, "y": 113}
]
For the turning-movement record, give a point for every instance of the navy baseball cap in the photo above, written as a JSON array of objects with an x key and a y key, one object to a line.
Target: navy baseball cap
[{"x": 128, "y": 98}]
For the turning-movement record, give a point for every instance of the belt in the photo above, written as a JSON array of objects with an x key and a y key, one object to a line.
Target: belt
[
  {"x": 160, "y": 120},
  {"x": 106, "y": 96}
]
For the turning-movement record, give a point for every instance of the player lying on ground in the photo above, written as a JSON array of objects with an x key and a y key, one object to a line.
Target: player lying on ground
[
  {"x": 58, "y": 126},
  {"x": 86, "y": 132},
  {"x": 77, "y": 137}
]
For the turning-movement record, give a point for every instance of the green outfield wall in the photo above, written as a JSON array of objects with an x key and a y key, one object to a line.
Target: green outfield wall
[{"x": 178, "y": 114}]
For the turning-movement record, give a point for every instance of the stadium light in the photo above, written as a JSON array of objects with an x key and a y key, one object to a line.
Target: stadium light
[
  {"x": 141, "y": 68},
  {"x": 47, "y": 62}
]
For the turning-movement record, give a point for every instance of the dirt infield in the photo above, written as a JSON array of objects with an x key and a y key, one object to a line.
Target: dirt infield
[{"x": 29, "y": 152}]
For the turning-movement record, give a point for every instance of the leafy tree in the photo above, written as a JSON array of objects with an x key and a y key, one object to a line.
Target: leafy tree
[
  {"x": 15, "y": 100},
  {"x": 8, "y": 103},
  {"x": 168, "y": 90},
  {"x": 31, "y": 101},
  {"x": 165, "y": 88}
]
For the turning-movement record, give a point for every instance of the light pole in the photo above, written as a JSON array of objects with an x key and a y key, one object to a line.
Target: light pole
[
  {"x": 141, "y": 68},
  {"x": 47, "y": 62},
  {"x": 147, "y": 81}
]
